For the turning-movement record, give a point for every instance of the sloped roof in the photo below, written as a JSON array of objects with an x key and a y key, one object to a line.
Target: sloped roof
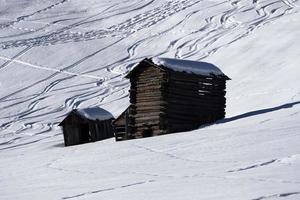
[
  {"x": 186, "y": 66},
  {"x": 92, "y": 113},
  {"x": 95, "y": 113}
]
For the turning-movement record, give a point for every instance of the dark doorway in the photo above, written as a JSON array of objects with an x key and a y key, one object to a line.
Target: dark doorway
[{"x": 147, "y": 131}]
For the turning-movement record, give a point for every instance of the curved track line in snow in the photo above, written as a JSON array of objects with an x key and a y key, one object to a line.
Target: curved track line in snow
[
  {"x": 172, "y": 156},
  {"x": 109, "y": 189},
  {"x": 28, "y": 143},
  {"x": 205, "y": 45},
  {"x": 255, "y": 166},
  {"x": 63, "y": 71},
  {"x": 127, "y": 10},
  {"x": 10, "y": 60},
  {"x": 24, "y": 17},
  {"x": 64, "y": 28},
  {"x": 277, "y": 195},
  {"x": 32, "y": 106},
  {"x": 129, "y": 60},
  {"x": 123, "y": 29},
  {"x": 59, "y": 71}
]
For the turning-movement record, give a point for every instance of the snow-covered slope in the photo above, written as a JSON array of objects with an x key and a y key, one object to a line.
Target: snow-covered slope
[{"x": 60, "y": 55}]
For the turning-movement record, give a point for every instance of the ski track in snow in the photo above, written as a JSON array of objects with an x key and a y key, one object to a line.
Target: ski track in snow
[
  {"x": 277, "y": 195},
  {"x": 124, "y": 29},
  {"x": 172, "y": 156},
  {"x": 254, "y": 166},
  {"x": 156, "y": 15},
  {"x": 110, "y": 189},
  {"x": 11, "y": 60},
  {"x": 24, "y": 17}
]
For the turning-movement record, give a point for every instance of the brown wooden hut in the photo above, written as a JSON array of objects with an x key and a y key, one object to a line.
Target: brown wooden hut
[
  {"x": 87, "y": 125},
  {"x": 169, "y": 95}
]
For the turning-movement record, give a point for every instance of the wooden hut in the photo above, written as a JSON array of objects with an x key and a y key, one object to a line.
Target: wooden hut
[
  {"x": 169, "y": 95},
  {"x": 87, "y": 125}
]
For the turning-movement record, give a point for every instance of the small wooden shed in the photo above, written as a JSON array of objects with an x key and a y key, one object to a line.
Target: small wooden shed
[
  {"x": 87, "y": 125},
  {"x": 170, "y": 95}
]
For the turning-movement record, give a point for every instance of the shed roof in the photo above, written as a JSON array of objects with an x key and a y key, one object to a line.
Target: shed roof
[
  {"x": 95, "y": 113},
  {"x": 186, "y": 66},
  {"x": 92, "y": 113}
]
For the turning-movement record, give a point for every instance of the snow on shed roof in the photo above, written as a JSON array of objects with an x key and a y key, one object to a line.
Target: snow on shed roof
[
  {"x": 188, "y": 66},
  {"x": 95, "y": 113}
]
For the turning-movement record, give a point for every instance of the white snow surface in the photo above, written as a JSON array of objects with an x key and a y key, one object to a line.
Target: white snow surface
[
  {"x": 188, "y": 66},
  {"x": 95, "y": 113},
  {"x": 60, "y": 55}
]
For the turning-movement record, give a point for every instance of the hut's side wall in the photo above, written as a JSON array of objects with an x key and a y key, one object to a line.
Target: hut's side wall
[
  {"x": 194, "y": 100},
  {"x": 100, "y": 130},
  {"x": 72, "y": 130},
  {"x": 147, "y": 110}
]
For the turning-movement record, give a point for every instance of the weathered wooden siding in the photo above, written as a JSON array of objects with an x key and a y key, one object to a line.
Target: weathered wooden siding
[
  {"x": 193, "y": 101},
  {"x": 71, "y": 139},
  {"x": 147, "y": 103},
  {"x": 75, "y": 134},
  {"x": 100, "y": 130}
]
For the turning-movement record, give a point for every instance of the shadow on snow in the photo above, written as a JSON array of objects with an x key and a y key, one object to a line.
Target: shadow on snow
[{"x": 257, "y": 112}]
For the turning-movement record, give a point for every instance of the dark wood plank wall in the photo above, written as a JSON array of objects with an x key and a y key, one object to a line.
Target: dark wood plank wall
[
  {"x": 147, "y": 106},
  {"x": 70, "y": 139},
  {"x": 71, "y": 130},
  {"x": 100, "y": 130},
  {"x": 193, "y": 101}
]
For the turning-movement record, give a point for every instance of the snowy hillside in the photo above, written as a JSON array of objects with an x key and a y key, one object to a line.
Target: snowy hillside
[{"x": 63, "y": 54}]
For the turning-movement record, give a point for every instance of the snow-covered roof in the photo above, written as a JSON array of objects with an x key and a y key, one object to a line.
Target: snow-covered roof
[
  {"x": 95, "y": 113},
  {"x": 188, "y": 66}
]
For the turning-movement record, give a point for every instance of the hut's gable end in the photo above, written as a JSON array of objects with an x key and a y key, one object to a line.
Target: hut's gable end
[
  {"x": 72, "y": 118},
  {"x": 120, "y": 121},
  {"x": 145, "y": 69},
  {"x": 74, "y": 126},
  {"x": 75, "y": 137},
  {"x": 147, "y": 102},
  {"x": 121, "y": 126}
]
